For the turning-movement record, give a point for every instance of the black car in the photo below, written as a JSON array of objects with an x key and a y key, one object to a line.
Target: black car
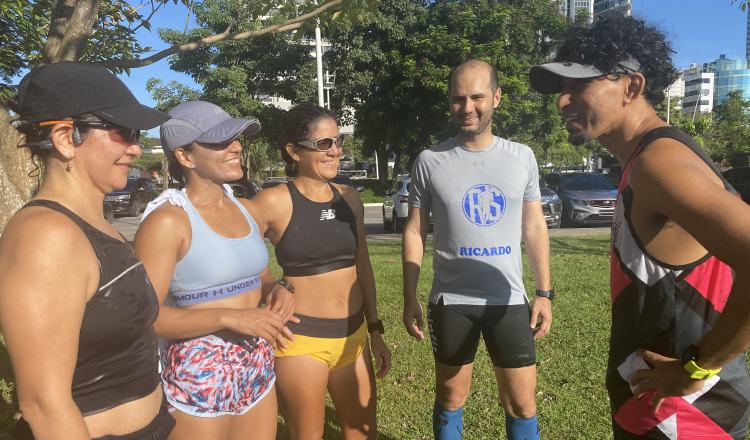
[
  {"x": 246, "y": 189},
  {"x": 739, "y": 178},
  {"x": 132, "y": 199}
]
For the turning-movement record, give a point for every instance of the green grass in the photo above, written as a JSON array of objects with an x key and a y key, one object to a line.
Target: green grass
[
  {"x": 571, "y": 397},
  {"x": 374, "y": 190}
]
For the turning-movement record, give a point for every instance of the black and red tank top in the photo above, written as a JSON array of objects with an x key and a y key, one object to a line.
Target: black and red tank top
[
  {"x": 666, "y": 309},
  {"x": 320, "y": 237},
  {"x": 117, "y": 350}
]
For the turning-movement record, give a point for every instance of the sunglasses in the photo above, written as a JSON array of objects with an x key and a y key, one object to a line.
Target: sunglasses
[
  {"x": 129, "y": 135},
  {"x": 323, "y": 144}
]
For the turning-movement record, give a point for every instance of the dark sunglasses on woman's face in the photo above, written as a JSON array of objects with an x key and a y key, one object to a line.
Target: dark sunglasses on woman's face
[
  {"x": 129, "y": 135},
  {"x": 323, "y": 144}
]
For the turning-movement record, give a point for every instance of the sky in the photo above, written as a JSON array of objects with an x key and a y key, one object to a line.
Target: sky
[{"x": 700, "y": 31}]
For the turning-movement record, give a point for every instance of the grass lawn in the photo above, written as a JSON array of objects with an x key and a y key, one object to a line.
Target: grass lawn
[{"x": 571, "y": 397}]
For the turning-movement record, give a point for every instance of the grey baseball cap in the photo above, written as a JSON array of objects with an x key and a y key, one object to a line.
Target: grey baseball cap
[
  {"x": 201, "y": 121},
  {"x": 547, "y": 78}
]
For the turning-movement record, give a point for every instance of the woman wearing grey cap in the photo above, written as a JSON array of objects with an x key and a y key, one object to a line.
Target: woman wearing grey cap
[
  {"x": 206, "y": 257},
  {"x": 76, "y": 306}
]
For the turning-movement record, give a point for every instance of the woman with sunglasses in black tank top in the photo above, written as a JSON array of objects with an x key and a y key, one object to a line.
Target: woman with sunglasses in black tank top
[
  {"x": 76, "y": 306},
  {"x": 317, "y": 228}
]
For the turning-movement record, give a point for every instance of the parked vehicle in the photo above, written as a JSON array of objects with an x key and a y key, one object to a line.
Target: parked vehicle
[
  {"x": 246, "y": 189},
  {"x": 396, "y": 204},
  {"x": 587, "y": 198},
  {"x": 132, "y": 199},
  {"x": 551, "y": 207},
  {"x": 270, "y": 182},
  {"x": 346, "y": 180},
  {"x": 739, "y": 178}
]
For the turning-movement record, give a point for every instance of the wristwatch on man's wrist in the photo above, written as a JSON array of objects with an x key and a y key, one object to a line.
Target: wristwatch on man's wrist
[
  {"x": 696, "y": 371},
  {"x": 549, "y": 294},
  {"x": 376, "y": 326}
]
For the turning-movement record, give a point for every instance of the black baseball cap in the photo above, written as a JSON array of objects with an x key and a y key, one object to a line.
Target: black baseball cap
[{"x": 69, "y": 88}]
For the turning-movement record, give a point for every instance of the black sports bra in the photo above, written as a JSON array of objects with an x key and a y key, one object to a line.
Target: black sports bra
[
  {"x": 117, "y": 351},
  {"x": 321, "y": 236}
]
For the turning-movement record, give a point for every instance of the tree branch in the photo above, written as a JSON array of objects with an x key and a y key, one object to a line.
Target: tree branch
[
  {"x": 288, "y": 25},
  {"x": 153, "y": 11}
]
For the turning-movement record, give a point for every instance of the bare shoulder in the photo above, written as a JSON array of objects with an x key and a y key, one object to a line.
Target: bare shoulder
[
  {"x": 40, "y": 241},
  {"x": 351, "y": 196},
  {"x": 668, "y": 162},
  {"x": 167, "y": 222}
]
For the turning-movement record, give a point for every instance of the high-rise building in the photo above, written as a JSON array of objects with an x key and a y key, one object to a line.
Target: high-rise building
[
  {"x": 699, "y": 89},
  {"x": 571, "y": 8},
  {"x": 603, "y": 7},
  {"x": 675, "y": 92},
  {"x": 730, "y": 75}
]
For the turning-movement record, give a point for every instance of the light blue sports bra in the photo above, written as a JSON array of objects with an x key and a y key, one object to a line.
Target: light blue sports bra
[{"x": 215, "y": 267}]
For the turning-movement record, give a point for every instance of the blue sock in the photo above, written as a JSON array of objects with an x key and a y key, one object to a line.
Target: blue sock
[
  {"x": 521, "y": 429},
  {"x": 447, "y": 425}
]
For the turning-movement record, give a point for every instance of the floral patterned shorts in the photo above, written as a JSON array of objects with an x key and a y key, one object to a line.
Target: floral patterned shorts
[{"x": 217, "y": 374}]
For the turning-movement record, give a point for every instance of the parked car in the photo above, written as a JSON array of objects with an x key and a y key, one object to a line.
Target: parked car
[
  {"x": 246, "y": 189},
  {"x": 587, "y": 198},
  {"x": 270, "y": 182},
  {"x": 551, "y": 207},
  {"x": 346, "y": 180},
  {"x": 739, "y": 178},
  {"x": 132, "y": 199},
  {"x": 396, "y": 204}
]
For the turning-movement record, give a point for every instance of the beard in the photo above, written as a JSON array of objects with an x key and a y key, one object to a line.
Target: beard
[{"x": 471, "y": 132}]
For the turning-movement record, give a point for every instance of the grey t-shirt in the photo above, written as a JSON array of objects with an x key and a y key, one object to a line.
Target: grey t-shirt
[{"x": 476, "y": 199}]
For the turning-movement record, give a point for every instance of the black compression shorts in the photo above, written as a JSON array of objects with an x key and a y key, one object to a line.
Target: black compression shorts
[{"x": 455, "y": 330}]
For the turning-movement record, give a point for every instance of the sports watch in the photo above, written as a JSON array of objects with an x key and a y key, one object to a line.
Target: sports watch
[
  {"x": 377, "y": 325},
  {"x": 549, "y": 294},
  {"x": 696, "y": 371}
]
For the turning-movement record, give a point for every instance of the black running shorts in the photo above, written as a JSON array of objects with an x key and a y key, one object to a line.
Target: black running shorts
[{"x": 455, "y": 330}]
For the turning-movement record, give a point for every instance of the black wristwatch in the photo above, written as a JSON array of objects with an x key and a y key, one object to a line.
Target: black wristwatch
[
  {"x": 377, "y": 325},
  {"x": 549, "y": 294},
  {"x": 285, "y": 284}
]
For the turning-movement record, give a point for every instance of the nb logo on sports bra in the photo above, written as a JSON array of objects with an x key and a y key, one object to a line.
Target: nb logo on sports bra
[{"x": 327, "y": 214}]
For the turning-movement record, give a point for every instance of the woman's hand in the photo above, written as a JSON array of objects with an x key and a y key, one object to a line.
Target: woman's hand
[
  {"x": 381, "y": 353},
  {"x": 264, "y": 323}
]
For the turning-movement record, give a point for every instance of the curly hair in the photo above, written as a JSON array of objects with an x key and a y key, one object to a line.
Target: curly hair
[
  {"x": 615, "y": 38},
  {"x": 297, "y": 126}
]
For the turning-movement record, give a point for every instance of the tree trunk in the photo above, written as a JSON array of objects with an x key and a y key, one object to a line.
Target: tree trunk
[
  {"x": 70, "y": 26},
  {"x": 383, "y": 164},
  {"x": 16, "y": 187}
]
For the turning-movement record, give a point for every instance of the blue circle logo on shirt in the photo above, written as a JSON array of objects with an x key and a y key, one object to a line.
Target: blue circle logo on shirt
[{"x": 484, "y": 204}]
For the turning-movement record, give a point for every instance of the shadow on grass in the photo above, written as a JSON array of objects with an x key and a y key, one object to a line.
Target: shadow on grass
[{"x": 331, "y": 430}]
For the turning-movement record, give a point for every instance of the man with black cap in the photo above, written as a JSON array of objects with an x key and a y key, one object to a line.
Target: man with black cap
[{"x": 680, "y": 274}]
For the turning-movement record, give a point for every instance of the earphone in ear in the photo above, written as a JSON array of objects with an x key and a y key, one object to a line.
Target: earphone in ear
[{"x": 76, "y": 136}]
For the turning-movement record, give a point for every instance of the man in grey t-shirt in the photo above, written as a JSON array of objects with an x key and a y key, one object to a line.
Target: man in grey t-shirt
[{"x": 483, "y": 192}]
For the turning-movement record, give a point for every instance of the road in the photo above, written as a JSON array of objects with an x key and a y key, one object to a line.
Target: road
[{"x": 373, "y": 227}]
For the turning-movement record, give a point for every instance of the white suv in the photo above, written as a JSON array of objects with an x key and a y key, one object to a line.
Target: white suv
[{"x": 395, "y": 204}]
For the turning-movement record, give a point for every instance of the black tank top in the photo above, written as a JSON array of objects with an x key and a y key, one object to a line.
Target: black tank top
[
  {"x": 117, "y": 351},
  {"x": 321, "y": 236}
]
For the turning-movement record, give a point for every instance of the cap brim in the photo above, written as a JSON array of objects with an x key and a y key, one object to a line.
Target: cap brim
[
  {"x": 547, "y": 78},
  {"x": 136, "y": 116},
  {"x": 229, "y": 130}
]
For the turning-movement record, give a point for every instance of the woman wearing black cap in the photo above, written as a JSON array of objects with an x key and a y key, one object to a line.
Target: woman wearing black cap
[
  {"x": 207, "y": 259},
  {"x": 76, "y": 306},
  {"x": 317, "y": 228}
]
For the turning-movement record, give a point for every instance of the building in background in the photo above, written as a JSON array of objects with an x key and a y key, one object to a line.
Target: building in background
[
  {"x": 676, "y": 92},
  {"x": 699, "y": 89},
  {"x": 603, "y": 7},
  {"x": 594, "y": 8},
  {"x": 730, "y": 75}
]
